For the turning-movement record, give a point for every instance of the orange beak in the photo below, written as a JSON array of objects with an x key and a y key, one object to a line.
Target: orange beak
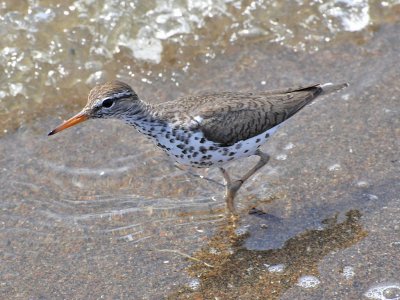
[{"x": 78, "y": 118}]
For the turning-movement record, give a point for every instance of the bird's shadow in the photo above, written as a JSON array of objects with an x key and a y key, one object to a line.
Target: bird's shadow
[{"x": 227, "y": 269}]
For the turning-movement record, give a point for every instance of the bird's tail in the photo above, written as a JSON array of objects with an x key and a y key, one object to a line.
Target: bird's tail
[{"x": 330, "y": 87}]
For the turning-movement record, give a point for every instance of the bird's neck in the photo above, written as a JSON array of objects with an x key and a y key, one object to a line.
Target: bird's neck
[{"x": 143, "y": 117}]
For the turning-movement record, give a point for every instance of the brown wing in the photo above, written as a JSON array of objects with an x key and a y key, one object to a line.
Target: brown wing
[{"x": 230, "y": 117}]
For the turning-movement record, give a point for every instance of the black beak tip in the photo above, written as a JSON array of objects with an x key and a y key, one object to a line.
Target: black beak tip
[{"x": 51, "y": 133}]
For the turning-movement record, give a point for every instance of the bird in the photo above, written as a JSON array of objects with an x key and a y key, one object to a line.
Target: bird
[{"x": 204, "y": 130}]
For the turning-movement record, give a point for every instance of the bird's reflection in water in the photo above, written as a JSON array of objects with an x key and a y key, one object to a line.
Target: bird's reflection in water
[{"x": 227, "y": 270}]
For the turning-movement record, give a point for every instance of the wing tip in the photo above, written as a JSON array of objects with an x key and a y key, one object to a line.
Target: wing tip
[{"x": 330, "y": 87}]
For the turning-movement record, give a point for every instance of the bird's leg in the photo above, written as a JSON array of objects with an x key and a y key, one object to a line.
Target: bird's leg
[
  {"x": 231, "y": 188},
  {"x": 230, "y": 191},
  {"x": 264, "y": 158}
]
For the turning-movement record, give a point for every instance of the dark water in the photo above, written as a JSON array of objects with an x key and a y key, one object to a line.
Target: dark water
[{"x": 98, "y": 212}]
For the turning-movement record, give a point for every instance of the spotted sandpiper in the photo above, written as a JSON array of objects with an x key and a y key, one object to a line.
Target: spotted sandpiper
[{"x": 205, "y": 130}]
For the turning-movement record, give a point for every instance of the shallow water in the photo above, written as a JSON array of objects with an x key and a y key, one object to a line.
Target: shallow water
[{"x": 98, "y": 212}]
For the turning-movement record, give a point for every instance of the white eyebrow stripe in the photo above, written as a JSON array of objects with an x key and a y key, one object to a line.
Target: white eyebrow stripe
[{"x": 118, "y": 96}]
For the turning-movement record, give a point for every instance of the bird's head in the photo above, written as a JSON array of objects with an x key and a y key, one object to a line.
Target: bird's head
[{"x": 112, "y": 99}]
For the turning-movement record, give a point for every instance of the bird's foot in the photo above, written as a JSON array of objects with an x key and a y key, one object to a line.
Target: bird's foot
[{"x": 233, "y": 218}]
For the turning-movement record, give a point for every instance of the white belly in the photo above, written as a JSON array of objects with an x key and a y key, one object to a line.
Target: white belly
[{"x": 196, "y": 151}]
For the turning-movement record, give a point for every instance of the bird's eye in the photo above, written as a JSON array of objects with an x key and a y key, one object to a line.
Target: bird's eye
[{"x": 107, "y": 103}]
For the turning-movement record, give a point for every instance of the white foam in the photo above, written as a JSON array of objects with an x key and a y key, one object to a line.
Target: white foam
[
  {"x": 194, "y": 284},
  {"x": 348, "y": 272},
  {"x": 308, "y": 281},
  {"x": 384, "y": 292},
  {"x": 289, "y": 146},
  {"x": 279, "y": 268},
  {"x": 281, "y": 157},
  {"x": 362, "y": 183},
  {"x": 334, "y": 167}
]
